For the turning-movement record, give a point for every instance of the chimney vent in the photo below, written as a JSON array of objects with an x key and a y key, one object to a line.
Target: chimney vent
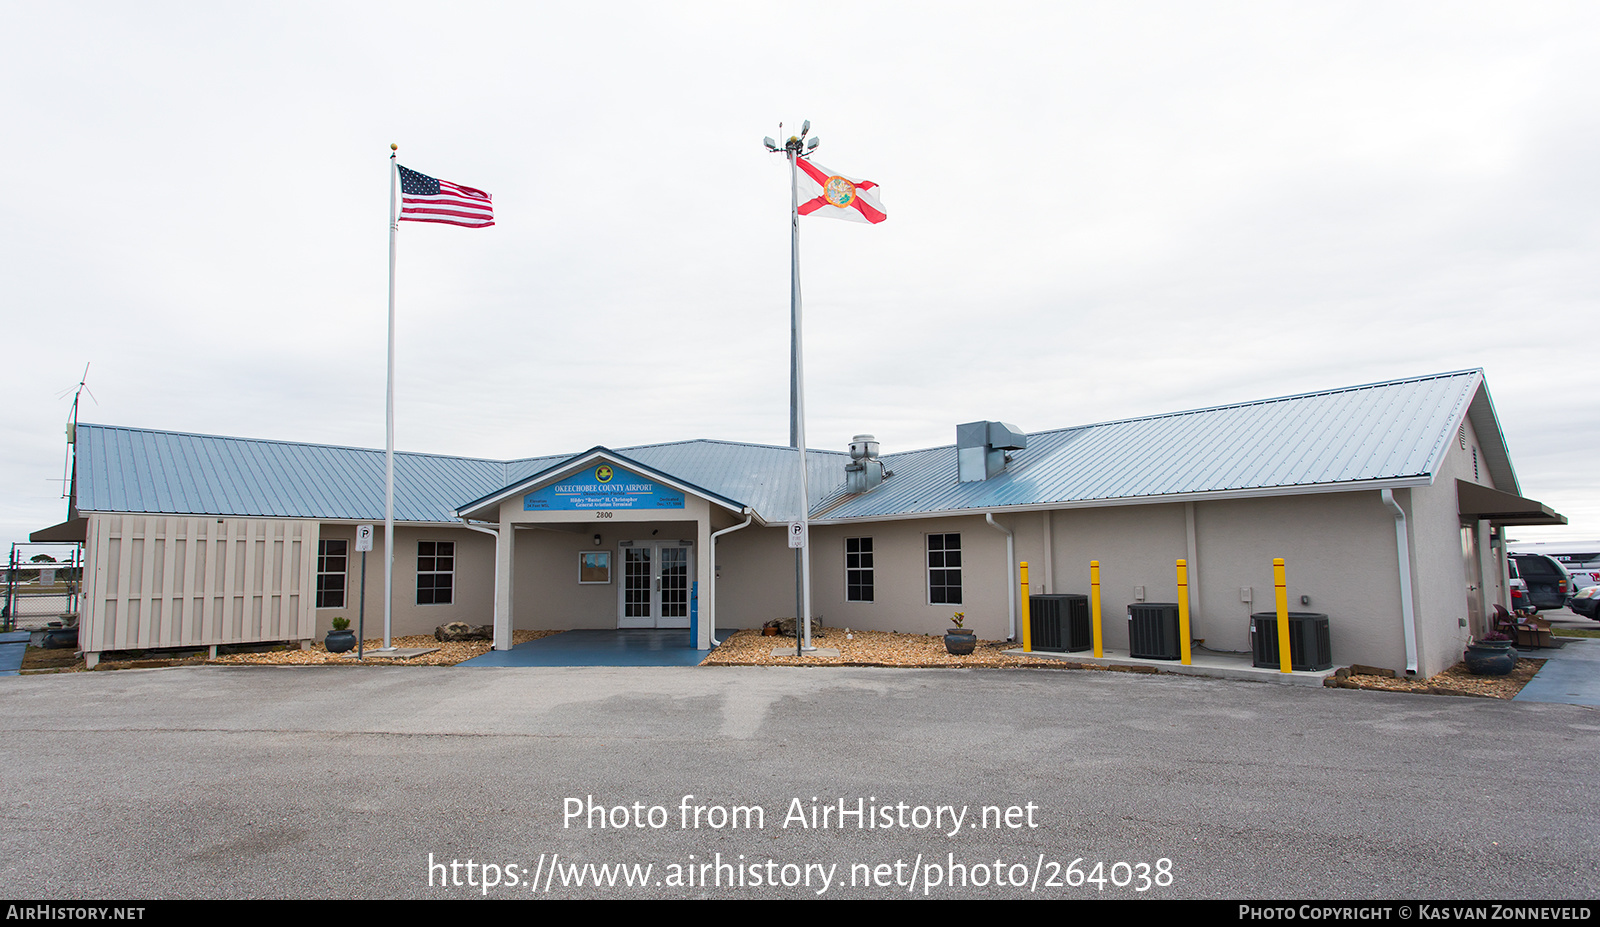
[{"x": 865, "y": 470}]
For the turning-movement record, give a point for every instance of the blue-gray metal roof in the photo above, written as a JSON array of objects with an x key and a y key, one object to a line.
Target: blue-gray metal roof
[
  {"x": 139, "y": 470},
  {"x": 1394, "y": 432}
]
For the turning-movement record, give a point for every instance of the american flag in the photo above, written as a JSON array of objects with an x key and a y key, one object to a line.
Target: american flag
[{"x": 425, "y": 199}]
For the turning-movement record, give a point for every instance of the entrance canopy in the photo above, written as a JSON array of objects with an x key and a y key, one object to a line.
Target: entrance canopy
[
  {"x": 1503, "y": 508},
  {"x": 597, "y": 480}
]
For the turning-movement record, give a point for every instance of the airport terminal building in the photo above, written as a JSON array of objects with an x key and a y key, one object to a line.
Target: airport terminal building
[{"x": 1385, "y": 500}]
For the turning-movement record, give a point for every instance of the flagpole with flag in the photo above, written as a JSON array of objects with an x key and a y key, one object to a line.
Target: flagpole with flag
[
  {"x": 834, "y": 196},
  {"x": 421, "y": 199}
]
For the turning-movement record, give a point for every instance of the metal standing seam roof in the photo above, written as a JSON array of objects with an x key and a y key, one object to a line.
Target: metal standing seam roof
[
  {"x": 161, "y": 472},
  {"x": 1395, "y": 432}
]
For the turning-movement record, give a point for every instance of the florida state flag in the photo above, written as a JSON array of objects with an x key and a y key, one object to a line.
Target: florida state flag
[{"x": 824, "y": 193}]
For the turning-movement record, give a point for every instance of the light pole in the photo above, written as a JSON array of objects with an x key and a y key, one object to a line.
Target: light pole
[{"x": 795, "y": 148}]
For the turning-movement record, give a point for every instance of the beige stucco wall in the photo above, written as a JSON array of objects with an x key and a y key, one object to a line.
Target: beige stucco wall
[
  {"x": 473, "y": 597},
  {"x": 1137, "y": 545},
  {"x": 542, "y": 593},
  {"x": 1338, "y": 549},
  {"x": 755, "y": 577},
  {"x": 547, "y": 591},
  {"x": 901, "y": 577},
  {"x": 1441, "y": 573}
]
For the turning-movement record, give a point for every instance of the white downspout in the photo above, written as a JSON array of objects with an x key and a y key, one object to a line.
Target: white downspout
[
  {"x": 1407, "y": 612},
  {"x": 1011, "y": 573},
  {"x": 495, "y": 603},
  {"x": 712, "y": 596}
]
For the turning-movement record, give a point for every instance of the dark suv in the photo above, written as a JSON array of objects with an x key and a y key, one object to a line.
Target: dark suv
[{"x": 1548, "y": 582}]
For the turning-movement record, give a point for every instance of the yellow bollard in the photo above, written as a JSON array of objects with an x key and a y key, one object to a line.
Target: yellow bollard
[
  {"x": 1094, "y": 605},
  {"x": 1183, "y": 609},
  {"x": 1284, "y": 664},
  {"x": 1027, "y": 625}
]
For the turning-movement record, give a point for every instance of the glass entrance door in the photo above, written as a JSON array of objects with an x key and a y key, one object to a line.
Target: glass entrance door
[{"x": 655, "y": 585}]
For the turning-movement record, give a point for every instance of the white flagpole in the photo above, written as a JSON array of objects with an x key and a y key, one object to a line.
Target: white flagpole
[{"x": 388, "y": 446}]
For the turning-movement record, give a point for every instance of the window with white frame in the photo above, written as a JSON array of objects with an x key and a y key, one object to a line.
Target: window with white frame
[
  {"x": 333, "y": 558},
  {"x": 436, "y": 572},
  {"x": 944, "y": 569},
  {"x": 858, "y": 569}
]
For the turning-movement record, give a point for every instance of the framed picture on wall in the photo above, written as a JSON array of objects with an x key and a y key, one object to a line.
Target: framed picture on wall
[{"x": 594, "y": 566}]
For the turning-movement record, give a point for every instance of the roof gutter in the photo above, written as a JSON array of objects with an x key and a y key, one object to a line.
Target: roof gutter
[
  {"x": 1011, "y": 573},
  {"x": 749, "y": 516},
  {"x": 1408, "y": 620}
]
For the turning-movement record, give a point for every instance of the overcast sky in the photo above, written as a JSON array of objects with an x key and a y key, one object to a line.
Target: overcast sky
[{"x": 1096, "y": 210}]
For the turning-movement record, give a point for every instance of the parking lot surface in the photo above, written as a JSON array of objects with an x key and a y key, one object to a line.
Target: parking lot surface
[{"x": 384, "y": 782}]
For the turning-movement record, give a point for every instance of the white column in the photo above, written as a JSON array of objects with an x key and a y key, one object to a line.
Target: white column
[
  {"x": 504, "y": 543},
  {"x": 704, "y": 560}
]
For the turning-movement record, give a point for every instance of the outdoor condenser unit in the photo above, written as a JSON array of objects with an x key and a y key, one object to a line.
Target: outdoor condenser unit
[
  {"x": 1310, "y": 647},
  {"x": 1059, "y": 623},
  {"x": 1153, "y": 631}
]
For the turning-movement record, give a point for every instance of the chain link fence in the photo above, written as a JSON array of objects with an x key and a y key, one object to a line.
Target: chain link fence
[{"x": 43, "y": 582}]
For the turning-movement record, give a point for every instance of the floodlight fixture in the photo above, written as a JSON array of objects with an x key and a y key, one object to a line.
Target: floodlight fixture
[
  {"x": 771, "y": 145},
  {"x": 804, "y": 128},
  {"x": 812, "y": 145}
]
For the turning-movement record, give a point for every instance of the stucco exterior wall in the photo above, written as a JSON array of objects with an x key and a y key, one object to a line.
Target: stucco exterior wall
[
  {"x": 1137, "y": 545},
  {"x": 900, "y": 599},
  {"x": 1338, "y": 549},
  {"x": 473, "y": 583},
  {"x": 755, "y": 577},
  {"x": 543, "y": 588},
  {"x": 1441, "y": 576},
  {"x": 547, "y": 591}
]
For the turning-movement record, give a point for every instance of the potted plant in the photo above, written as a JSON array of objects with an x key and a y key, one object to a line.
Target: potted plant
[
  {"x": 958, "y": 640},
  {"x": 341, "y": 638},
  {"x": 1490, "y": 655}
]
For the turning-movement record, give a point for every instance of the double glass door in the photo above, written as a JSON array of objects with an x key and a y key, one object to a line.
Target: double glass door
[{"x": 655, "y": 584}]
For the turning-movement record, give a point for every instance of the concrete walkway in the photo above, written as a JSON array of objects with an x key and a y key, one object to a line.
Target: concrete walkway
[
  {"x": 599, "y": 647},
  {"x": 1202, "y": 663},
  {"x": 13, "y": 647},
  {"x": 1570, "y": 675}
]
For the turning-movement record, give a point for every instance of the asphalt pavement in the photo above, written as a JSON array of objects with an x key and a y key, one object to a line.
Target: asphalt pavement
[{"x": 405, "y": 782}]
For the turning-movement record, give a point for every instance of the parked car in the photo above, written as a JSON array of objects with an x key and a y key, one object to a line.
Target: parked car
[
  {"x": 1587, "y": 603},
  {"x": 1580, "y": 558},
  {"x": 1548, "y": 582},
  {"x": 1519, "y": 594}
]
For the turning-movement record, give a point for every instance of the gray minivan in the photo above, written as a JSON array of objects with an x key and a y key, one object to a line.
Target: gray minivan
[{"x": 1549, "y": 584}]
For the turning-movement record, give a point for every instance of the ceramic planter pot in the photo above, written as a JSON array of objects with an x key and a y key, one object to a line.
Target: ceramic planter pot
[
  {"x": 1490, "y": 658},
  {"x": 60, "y": 638},
  {"x": 959, "y": 641},
  {"x": 340, "y": 641}
]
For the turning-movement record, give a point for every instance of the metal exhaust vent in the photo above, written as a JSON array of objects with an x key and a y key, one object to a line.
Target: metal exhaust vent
[
  {"x": 981, "y": 449},
  {"x": 865, "y": 470}
]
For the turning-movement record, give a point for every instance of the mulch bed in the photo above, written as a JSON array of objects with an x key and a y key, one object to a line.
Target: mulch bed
[
  {"x": 1453, "y": 681},
  {"x": 448, "y": 654},
  {"x": 865, "y": 648}
]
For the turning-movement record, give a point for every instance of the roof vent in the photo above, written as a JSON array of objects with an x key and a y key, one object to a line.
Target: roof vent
[
  {"x": 981, "y": 449},
  {"x": 865, "y": 470}
]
